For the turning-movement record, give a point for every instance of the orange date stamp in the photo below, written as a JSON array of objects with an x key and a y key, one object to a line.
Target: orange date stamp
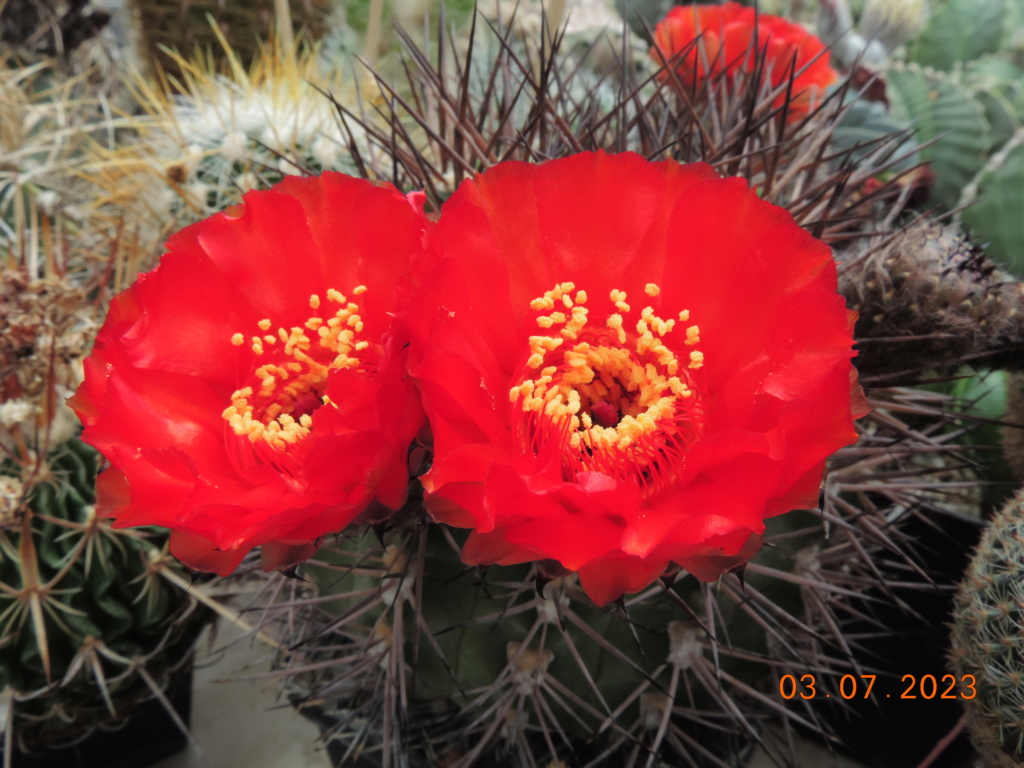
[{"x": 861, "y": 687}]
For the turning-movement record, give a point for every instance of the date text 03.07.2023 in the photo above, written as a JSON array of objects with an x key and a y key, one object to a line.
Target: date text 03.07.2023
[{"x": 862, "y": 686}]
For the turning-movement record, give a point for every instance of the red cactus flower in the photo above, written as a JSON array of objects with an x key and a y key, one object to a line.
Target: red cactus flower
[
  {"x": 248, "y": 391},
  {"x": 726, "y": 47},
  {"x": 625, "y": 364}
]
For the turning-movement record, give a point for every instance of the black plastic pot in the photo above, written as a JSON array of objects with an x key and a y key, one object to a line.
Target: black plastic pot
[{"x": 145, "y": 737}]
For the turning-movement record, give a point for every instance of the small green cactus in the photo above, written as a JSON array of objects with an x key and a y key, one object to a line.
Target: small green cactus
[
  {"x": 942, "y": 110},
  {"x": 960, "y": 30},
  {"x": 987, "y": 641},
  {"x": 997, "y": 199},
  {"x": 89, "y": 628}
]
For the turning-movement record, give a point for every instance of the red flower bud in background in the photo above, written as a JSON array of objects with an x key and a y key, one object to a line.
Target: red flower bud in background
[
  {"x": 726, "y": 47},
  {"x": 249, "y": 391},
  {"x": 625, "y": 364}
]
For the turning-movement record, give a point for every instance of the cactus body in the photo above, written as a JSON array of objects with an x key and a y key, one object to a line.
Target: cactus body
[
  {"x": 88, "y": 627},
  {"x": 941, "y": 108},
  {"x": 935, "y": 299},
  {"x": 994, "y": 217},
  {"x": 960, "y": 30},
  {"x": 988, "y": 639}
]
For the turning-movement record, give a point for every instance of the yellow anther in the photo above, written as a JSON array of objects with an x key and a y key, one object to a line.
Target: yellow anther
[
  {"x": 359, "y": 290},
  {"x": 298, "y": 370},
  {"x": 692, "y": 335},
  {"x": 684, "y": 316},
  {"x": 580, "y": 388},
  {"x": 696, "y": 359}
]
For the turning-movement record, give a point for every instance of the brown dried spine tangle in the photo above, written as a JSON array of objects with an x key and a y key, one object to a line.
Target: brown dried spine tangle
[{"x": 930, "y": 300}]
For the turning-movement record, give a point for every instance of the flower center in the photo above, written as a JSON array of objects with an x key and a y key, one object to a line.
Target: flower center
[
  {"x": 617, "y": 400},
  {"x": 276, "y": 407}
]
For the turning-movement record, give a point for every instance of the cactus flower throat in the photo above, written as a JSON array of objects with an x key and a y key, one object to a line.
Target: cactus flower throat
[
  {"x": 610, "y": 396},
  {"x": 275, "y": 407}
]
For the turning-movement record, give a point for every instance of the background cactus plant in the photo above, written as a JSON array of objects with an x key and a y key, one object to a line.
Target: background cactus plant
[
  {"x": 963, "y": 83},
  {"x": 89, "y": 628},
  {"x": 935, "y": 299},
  {"x": 987, "y": 642},
  {"x": 89, "y": 625}
]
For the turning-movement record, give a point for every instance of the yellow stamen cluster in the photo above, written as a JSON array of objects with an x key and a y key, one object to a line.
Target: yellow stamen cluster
[
  {"x": 304, "y": 357},
  {"x": 641, "y": 384}
]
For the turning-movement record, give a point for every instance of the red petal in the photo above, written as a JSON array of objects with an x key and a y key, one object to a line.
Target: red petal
[
  {"x": 201, "y": 555},
  {"x": 606, "y": 580}
]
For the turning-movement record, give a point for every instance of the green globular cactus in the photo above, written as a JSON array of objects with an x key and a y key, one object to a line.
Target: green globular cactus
[
  {"x": 89, "y": 629},
  {"x": 996, "y": 198},
  {"x": 461, "y": 667},
  {"x": 963, "y": 89},
  {"x": 419, "y": 660},
  {"x": 987, "y": 642},
  {"x": 960, "y": 30},
  {"x": 943, "y": 111},
  {"x": 998, "y": 84}
]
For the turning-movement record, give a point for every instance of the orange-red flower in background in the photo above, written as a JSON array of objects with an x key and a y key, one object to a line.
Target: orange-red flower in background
[
  {"x": 248, "y": 391},
  {"x": 625, "y": 364},
  {"x": 726, "y": 47}
]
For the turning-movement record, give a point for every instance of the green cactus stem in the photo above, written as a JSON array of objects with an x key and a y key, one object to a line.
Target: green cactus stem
[{"x": 88, "y": 627}]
